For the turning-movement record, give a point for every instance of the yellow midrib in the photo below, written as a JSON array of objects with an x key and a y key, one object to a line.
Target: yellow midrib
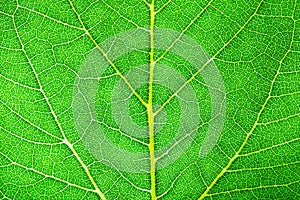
[{"x": 150, "y": 105}]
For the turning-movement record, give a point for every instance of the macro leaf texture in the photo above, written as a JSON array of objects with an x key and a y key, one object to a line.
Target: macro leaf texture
[{"x": 157, "y": 99}]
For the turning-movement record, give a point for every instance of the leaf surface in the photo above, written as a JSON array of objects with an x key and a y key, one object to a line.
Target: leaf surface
[{"x": 150, "y": 100}]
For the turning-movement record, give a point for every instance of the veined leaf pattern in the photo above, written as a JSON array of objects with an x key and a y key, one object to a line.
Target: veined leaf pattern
[{"x": 252, "y": 49}]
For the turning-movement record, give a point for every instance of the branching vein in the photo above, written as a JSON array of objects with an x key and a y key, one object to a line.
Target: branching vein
[
  {"x": 55, "y": 116},
  {"x": 106, "y": 56},
  {"x": 237, "y": 154}
]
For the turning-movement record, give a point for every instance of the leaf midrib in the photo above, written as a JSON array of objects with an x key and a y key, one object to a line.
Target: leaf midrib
[{"x": 150, "y": 106}]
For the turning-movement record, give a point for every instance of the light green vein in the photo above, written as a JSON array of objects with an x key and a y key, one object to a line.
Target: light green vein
[
  {"x": 147, "y": 3},
  {"x": 29, "y": 122},
  {"x": 263, "y": 168},
  {"x": 66, "y": 141},
  {"x": 184, "y": 30},
  {"x": 19, "y": 84},
  {"x": 268, "y": 148},
  {"x": 9, "y": 15},
  {"x": 287, "y": 94},
  {"x": 47, "y": 175},
  {"x": 255, "y": 188},
  {"x": 30, "y": 141},
  {"x": 279, "y": 120},
  {"x": 51, "y": 18},
  {"x": 125, "y": 18},
  {"x": 4, "y": 196},
  {"x": 182, "y": 139},
  {"x": 174, "y": 181},
  {"x": 210, "y": 60},
  {"x": 237, "y": 154},
  {"x": 106, "y": 56},
  {"x": 162, "y": 7},
  {"x": 124, "y": 134}
]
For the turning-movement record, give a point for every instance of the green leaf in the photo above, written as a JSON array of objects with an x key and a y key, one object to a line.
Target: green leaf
[{"x": 150, "y": 100}]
